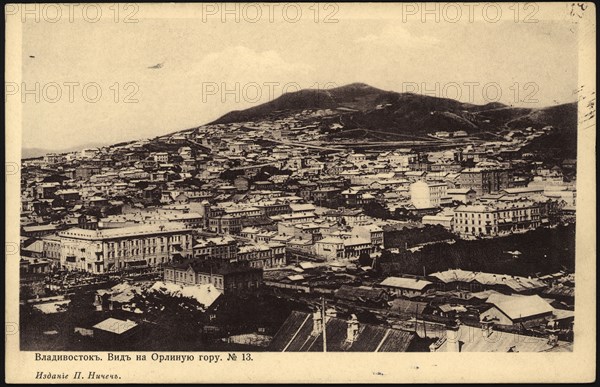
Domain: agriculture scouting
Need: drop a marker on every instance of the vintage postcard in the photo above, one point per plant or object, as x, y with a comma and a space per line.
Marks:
300, 192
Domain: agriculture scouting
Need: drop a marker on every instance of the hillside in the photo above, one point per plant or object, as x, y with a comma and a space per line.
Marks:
30, 153
560, 143
360, 106
356, 96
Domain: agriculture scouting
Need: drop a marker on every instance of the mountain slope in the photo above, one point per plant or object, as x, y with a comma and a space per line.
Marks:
357, 96
561, 143
360, 106
30, 153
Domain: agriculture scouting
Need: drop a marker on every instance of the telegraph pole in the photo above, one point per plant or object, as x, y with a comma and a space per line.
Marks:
324, 317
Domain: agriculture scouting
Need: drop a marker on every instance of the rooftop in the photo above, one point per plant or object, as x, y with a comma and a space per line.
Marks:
296, 335
215, 267
518, 307
518, 284
471, 340
405, 283
123, 232
115, 326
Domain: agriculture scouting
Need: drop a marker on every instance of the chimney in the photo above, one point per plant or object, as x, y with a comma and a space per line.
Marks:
330, 312
553, 339
352, 332
487, 327
453, 337
317, 323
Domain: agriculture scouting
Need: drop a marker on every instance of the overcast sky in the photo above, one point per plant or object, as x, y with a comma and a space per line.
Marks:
531, 64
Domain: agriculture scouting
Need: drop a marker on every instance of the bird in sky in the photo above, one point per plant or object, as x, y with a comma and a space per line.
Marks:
157, 66
516, 252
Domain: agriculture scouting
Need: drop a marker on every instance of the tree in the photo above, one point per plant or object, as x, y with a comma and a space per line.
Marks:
365, 259
376, 210
543, 251
230, 175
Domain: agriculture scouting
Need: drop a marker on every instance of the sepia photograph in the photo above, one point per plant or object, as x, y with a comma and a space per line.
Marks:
210, 185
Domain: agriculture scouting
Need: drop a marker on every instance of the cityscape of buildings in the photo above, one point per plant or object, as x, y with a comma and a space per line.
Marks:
273, 211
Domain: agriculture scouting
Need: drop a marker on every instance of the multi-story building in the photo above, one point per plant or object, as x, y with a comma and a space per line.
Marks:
262, 255
330, 247
46, 190
270, 208
325, 194
89, 153
190, 219
243, 211
494, 219
35, 266
485, 180
443, 219
218, 221
298, 217
84, 172
427, 195
101, 251
354, 247
355, 196
52, 248
53, 158
228, 278
371, 232
333, 247
68, 195
357, 158
160, 157
257, 234
398, 159
37, 231
347, 216
222, 248
462, 195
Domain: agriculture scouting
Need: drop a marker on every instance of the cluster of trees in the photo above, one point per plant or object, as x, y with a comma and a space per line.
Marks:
262, 175
377, 210
542, 251
408, 237
33, 325
190, 182
247, 313
267, 171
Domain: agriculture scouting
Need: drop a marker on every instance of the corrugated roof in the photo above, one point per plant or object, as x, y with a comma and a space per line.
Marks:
356, 293
400, 305
405, 283
518, 284
295, 335
471, 339
517, 307
205, 294
560, 290
116, 326
123, 232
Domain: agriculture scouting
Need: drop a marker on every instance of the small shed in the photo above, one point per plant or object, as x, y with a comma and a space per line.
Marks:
406, 287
